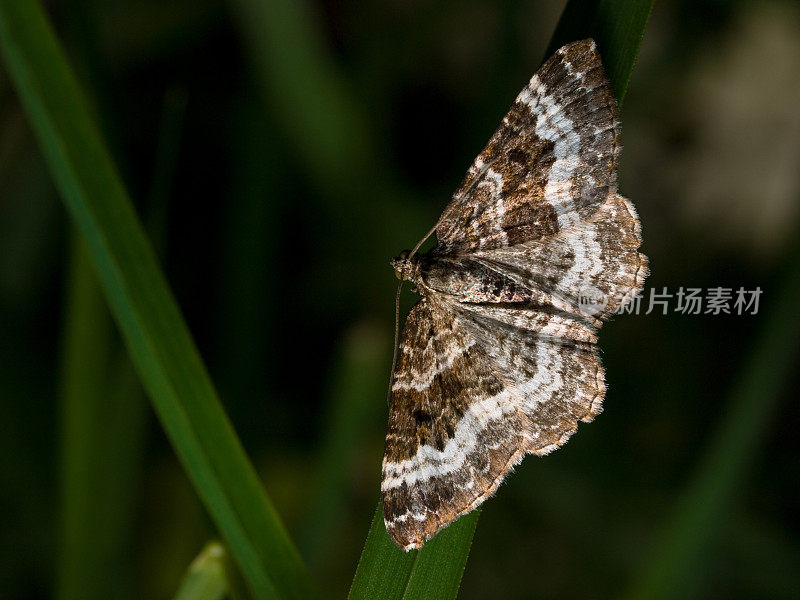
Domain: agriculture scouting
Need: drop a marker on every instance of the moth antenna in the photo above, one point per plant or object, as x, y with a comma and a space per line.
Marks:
422, 241
472, 187
396, 340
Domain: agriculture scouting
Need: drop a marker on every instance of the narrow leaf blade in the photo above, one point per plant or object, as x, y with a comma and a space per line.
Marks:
144, 309
434, 571
616, 25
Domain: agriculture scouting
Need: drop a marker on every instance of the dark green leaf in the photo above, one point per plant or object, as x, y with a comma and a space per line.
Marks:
616, 25
432, 572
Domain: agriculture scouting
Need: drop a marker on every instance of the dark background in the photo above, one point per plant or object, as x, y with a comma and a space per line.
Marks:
277, 246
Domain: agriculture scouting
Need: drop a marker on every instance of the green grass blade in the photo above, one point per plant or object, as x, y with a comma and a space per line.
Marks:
383, 571
616, 25
440, 564
434, 571
675, 568
206, 578
144, 309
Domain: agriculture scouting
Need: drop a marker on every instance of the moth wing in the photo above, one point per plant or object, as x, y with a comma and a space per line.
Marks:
551, 162
555, 375
471, 395
589, 269
453, 431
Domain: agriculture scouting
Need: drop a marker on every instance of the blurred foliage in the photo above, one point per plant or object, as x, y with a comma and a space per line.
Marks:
279, 264
211, 576
144, 308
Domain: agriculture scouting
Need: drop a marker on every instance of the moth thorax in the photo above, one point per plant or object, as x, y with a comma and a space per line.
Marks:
406, 268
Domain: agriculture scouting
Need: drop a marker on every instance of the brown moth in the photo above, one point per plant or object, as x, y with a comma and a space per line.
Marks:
499, 357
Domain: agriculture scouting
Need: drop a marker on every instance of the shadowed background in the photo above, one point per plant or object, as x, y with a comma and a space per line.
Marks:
276, 240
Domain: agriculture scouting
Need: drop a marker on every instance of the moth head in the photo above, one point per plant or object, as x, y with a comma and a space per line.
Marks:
405, 268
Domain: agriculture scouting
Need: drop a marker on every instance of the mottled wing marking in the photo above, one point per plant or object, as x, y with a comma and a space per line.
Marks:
555, 383
544, 321
550, 164
507, 393
600, 254
450, 442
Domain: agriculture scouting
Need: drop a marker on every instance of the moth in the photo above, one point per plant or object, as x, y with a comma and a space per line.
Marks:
534, 251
